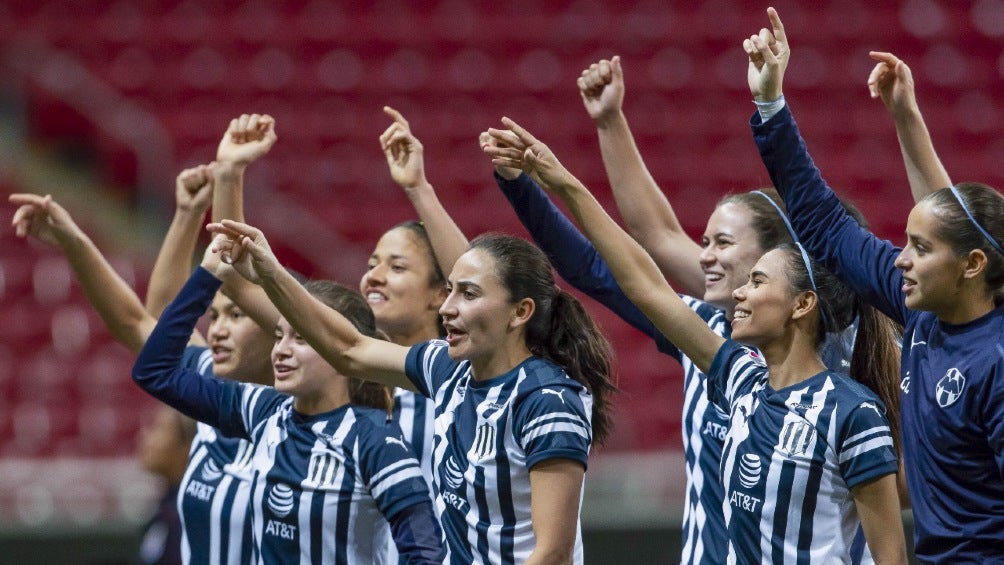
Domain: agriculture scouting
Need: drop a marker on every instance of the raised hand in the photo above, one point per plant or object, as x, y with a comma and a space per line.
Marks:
602, 88
194, 189
517, 148
486, 140
892, 80
43, 218
249, 137
404, 152
768, 54
245, 249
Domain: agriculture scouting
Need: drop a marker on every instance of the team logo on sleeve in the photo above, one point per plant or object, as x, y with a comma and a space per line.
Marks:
950, 387
396, 441
280, 500
555, 393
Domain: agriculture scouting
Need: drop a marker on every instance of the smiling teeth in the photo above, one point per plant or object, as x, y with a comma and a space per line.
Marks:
741, 314
713, 277
374, 296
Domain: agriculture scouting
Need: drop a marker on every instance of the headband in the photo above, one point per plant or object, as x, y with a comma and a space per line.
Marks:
993, 242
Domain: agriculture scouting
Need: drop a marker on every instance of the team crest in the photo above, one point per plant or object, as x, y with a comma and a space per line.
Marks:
322, 470
950, 387
795, 438
484, 443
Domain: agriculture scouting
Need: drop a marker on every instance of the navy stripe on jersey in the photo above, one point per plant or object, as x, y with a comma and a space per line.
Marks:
791, 457
488, 436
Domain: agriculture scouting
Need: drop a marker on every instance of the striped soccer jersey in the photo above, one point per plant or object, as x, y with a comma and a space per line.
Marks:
324, 485
214, 493
791, 457
415, 415
489, 434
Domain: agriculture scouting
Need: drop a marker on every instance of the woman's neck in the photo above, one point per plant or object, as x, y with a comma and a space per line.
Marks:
967, 307
791, 361
500, 362
325, 401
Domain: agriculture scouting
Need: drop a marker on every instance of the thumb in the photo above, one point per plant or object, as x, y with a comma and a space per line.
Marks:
615, 66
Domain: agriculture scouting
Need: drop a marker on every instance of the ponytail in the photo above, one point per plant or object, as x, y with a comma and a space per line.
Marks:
876, 361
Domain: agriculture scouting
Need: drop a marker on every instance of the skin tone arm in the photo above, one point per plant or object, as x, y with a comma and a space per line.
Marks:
634, 270
117, 304
892, 80
405, 160
647, 213
247, 139
555, 486
878, 507
193, 195
335, 338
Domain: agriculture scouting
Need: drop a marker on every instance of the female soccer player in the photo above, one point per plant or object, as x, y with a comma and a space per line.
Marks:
808, 451
521, 388
329, 470
945, 287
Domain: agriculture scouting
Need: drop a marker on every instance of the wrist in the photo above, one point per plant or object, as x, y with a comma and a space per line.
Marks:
508, 173
227, 169
609, 119
418, 188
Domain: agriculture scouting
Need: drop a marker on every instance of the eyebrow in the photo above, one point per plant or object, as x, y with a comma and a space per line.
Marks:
759, 274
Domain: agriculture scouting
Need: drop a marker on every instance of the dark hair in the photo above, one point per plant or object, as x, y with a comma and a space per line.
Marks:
436, 277
560, 329
353, 306
955, 227
875, 362
764, 218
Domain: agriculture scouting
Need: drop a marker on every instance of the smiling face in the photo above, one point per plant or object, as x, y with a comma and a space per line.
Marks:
477, 312
399, 285
764, 305
238, 344
730, 251
932, 272
299, 370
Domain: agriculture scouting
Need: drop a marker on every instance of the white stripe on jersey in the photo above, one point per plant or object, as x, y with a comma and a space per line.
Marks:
862, 447
531, 431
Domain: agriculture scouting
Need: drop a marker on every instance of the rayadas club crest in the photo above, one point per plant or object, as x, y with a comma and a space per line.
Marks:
950, 387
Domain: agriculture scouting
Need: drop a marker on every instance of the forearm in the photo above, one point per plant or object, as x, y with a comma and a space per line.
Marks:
448, 242
174, 261
417, 534
228, 191
640, 278
158, 368
252, 300
114, 300
924, 170
646, 211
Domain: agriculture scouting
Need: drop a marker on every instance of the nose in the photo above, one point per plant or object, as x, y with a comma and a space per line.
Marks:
281, 348
217, 329
448, 309
377, 275
739, 294
706, 258
902, 260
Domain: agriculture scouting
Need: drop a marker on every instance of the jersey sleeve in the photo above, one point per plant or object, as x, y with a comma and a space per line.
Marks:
574, 257
994, 410
390, 469
866, 449
428, 366
553, 423
734, 371
165, 369
860, 259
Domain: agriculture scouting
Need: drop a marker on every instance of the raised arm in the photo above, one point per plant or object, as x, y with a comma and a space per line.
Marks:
193, 193
114, 300
647, 213
335, 338
247, 139
892, 80
634, 270
405, 160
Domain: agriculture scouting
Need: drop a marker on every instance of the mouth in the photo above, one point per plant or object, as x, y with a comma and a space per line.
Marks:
454, 336
739, 314
282, 371
712, 278
908, 285
375, 297
221, 354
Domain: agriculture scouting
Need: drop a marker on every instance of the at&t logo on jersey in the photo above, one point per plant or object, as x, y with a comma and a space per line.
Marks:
280, 502
750, 469
211, 472
454, 478
950, 387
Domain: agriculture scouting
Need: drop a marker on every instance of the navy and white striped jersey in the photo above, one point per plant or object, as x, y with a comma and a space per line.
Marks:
415, 415
703, 426
791, 457
489, 434
324, 486
214, 493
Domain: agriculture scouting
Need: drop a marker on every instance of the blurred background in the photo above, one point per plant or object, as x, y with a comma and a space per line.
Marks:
103, 102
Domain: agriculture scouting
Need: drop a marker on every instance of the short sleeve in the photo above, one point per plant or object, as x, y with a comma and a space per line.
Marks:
391, 470
428, 366
994, 415
866, 449
735, 370
553, 422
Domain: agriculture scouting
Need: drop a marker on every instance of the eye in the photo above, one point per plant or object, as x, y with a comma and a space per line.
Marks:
370, 266
278, 337
470, 294
214, 315
398, 268
236, 315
